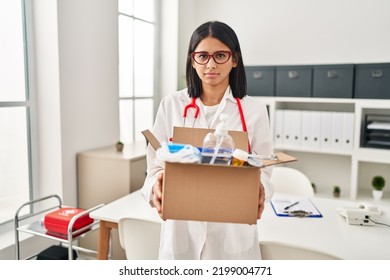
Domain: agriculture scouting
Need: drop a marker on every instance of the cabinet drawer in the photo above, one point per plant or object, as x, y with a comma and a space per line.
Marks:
260, 80
334, 81
372, 81
293, 81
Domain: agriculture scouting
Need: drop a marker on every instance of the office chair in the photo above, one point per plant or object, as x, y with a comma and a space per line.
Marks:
273, 251
291, 181
139, 238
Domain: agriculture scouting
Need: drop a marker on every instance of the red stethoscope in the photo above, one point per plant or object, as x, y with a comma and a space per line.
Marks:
192, 104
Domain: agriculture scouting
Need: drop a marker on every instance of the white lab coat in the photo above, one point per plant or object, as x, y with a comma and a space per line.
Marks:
206, 240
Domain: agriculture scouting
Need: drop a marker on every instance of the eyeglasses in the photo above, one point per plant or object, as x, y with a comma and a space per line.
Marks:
220, 57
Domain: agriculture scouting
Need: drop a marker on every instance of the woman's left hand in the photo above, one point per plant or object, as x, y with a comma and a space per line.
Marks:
261, 201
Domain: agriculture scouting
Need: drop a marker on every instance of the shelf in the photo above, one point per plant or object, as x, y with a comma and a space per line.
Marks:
352, 168
373, 155
366, 196
311, 150
307, 100
32, 223
38, 229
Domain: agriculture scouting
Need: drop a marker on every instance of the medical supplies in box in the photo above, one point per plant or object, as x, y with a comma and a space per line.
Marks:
57, 221
211, 192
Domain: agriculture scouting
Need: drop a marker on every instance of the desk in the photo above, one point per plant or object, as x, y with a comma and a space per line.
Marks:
132, 205
330, 234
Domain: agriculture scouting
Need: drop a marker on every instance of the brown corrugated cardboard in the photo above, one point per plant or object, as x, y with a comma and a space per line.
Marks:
151, 139
214, 193
280, 158
195, 136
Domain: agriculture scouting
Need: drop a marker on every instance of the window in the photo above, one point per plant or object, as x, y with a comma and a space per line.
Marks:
15, 109
137, 63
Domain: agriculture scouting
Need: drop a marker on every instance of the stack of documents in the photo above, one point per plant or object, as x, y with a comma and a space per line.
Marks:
377, 133
294, 206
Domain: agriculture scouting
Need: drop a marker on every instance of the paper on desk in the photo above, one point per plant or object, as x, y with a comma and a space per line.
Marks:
280, 201
379, 125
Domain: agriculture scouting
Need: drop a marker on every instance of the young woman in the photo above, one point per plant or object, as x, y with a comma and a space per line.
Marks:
215, 76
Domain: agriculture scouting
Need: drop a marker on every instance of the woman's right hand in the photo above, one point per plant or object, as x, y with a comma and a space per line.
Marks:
157, 194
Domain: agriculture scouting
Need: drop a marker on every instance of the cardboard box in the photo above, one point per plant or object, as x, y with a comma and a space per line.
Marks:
213, 193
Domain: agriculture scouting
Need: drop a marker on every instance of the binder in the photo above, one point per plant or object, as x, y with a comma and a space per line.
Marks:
337, 130
292, 128
315, 129
306, 129
287, 128
279, 202
296, 128
326, 130
348, 130
279, 116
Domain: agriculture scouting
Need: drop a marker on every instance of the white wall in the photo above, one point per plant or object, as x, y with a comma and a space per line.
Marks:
46, 93
295, 31
88, 65
77, 87
169, 31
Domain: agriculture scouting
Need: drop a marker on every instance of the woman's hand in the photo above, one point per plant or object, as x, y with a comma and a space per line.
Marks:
261, 201
157, 194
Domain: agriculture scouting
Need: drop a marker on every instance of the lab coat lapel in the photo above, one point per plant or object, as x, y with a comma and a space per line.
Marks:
201, 122
221, 107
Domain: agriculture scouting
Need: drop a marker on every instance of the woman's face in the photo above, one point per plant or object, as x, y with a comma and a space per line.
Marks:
212, 73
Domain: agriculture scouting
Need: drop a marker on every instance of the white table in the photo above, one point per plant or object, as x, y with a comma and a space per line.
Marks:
330, 234
132, 205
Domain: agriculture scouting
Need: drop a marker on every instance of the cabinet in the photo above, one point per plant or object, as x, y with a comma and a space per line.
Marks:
105, 175
350, 167
294, 81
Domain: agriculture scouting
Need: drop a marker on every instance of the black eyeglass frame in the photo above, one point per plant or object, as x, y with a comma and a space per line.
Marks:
211, 55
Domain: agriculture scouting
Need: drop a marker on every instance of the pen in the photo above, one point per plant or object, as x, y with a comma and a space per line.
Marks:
291, 205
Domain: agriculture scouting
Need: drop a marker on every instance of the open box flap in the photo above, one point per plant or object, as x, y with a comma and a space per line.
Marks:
195, 136
281, 158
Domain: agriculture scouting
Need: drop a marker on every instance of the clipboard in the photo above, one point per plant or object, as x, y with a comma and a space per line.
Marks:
287, 205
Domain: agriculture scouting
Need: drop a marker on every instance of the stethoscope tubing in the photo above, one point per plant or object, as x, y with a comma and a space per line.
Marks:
193, 104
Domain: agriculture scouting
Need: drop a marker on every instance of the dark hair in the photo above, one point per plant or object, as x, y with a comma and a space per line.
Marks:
227, 36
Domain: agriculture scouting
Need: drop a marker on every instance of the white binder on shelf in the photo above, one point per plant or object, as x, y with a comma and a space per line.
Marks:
348, 130
326, 130
337, 130
296, 117
279, 118
305, 129
297, 128
315, 129
288, 128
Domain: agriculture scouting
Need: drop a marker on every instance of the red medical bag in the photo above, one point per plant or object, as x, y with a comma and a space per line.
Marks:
58, 220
